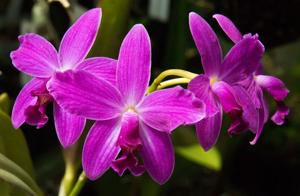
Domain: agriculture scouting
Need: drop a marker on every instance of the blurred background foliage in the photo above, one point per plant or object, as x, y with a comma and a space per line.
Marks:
234, 167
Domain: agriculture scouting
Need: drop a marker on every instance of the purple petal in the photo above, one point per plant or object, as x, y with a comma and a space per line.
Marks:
36, 56
100, 67
24, 100
274, 86
134, 63
265, 108
250, 113
263, 116
100, 147
237, 103
208, 130
207, 43
253, 90
83, 94
280, 114
226, 96
157, 153
79, 38
200, 86
242, 60
257, 97
228, 27
165, 110
68, 126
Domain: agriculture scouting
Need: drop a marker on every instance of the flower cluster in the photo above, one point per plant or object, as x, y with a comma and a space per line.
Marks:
132, 125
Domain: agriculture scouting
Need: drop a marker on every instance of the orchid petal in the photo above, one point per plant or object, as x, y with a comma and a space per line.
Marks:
100, 67
226, 96
229, 28
274, 86
165, 110
253, 90
208, 130
83, 94
134, 63
263, 116
157, 153
79, 38
200, 86
280, 114
36, 56
242, 60
68, 126
207, 43
100, 147
265, 108
24, 100
250, 113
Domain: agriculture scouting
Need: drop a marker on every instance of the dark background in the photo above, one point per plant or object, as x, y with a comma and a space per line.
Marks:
271, 167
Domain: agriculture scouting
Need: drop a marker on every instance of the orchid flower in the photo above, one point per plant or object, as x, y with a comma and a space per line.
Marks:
38, 58
258, 82
132, 131
218, 88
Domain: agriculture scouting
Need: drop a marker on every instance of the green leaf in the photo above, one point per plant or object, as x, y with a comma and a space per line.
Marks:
9, 137
114, 25
14, 145
14, 174
4, 103
12, 179
210, 159
4, 188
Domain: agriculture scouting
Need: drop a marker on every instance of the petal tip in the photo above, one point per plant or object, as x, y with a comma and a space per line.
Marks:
253, 142
216, 16
16, 125
193, 14
96, 11
207, 148
206, 145
91, 176
139, 25
139, 28
65, 143
162, 181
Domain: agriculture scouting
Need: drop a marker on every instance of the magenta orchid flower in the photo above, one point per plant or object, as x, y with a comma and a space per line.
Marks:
38, 58
258, 82
218, 86
132, 131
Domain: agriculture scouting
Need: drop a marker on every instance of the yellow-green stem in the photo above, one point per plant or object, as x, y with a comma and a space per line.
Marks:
170, 72
79, 184
173, 82
68, 180
71, 166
